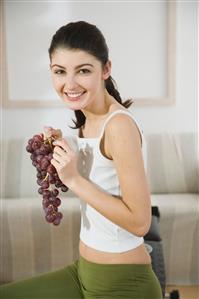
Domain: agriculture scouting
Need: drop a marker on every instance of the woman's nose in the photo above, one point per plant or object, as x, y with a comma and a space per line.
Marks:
70, 82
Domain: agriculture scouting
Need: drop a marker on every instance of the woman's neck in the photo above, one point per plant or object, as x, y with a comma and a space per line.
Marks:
100, 110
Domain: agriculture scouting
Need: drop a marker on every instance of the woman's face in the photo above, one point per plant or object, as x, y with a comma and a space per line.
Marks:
78, 77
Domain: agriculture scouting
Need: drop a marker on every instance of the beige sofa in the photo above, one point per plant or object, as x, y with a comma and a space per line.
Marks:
30, 246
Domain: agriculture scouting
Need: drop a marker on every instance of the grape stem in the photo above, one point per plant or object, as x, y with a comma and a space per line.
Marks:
49, 140
47, 175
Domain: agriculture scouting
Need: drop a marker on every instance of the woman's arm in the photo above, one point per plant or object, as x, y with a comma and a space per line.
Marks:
133, 211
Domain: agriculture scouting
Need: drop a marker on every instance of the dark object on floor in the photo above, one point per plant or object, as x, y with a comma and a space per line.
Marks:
173, 295
153, 240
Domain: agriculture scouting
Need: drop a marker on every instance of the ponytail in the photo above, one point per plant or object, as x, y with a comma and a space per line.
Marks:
113, 91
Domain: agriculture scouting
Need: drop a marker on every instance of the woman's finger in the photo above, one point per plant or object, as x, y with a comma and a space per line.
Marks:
55, 163
58, 162
63, 143
59, 156
60, 151
56, 157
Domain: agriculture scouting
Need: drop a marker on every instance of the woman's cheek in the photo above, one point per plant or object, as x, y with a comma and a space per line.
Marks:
57, 82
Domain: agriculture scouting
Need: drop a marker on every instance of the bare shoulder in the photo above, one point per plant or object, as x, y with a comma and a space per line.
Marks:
122, 128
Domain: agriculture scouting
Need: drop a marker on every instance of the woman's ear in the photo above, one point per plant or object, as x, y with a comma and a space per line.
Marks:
106, 70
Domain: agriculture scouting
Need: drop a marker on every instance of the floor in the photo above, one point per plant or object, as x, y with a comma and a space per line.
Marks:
186, 292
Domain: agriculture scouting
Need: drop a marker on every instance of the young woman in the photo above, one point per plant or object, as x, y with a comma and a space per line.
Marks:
107, 174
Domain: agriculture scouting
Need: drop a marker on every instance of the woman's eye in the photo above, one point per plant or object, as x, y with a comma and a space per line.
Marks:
59, 72
84, 71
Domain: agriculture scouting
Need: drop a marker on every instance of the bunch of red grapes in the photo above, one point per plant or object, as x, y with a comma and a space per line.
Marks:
41, 150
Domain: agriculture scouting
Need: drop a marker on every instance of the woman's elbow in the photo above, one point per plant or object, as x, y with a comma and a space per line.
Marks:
141, 230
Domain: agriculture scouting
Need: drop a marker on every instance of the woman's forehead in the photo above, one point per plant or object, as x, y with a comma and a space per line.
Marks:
72, 57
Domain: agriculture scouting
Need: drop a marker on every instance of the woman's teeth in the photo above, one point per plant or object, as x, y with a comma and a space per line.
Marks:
74, 95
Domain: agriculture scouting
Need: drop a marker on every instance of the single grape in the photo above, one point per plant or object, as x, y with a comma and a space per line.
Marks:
33, 157
39, 175
51, 179
44, 185
39, 182
29, 149
46, 193
46, 197
56, 175
50, 217
48, 149
44, 173
38, 138
58, 184
52, 199
34, 163
36, 145
39, 158
60, 215
57, 201
38, 166
64, 188
30, 141
50, 156
44, 163
50, 209
51, 169
42, 149
57, 221
45, 202
55, 192
40, 190
37, 152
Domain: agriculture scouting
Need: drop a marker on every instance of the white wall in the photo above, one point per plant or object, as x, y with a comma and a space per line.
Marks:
182, 117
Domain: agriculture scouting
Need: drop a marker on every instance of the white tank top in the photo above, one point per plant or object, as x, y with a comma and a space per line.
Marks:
97, 231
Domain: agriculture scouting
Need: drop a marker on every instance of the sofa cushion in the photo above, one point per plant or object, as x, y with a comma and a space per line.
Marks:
29, 244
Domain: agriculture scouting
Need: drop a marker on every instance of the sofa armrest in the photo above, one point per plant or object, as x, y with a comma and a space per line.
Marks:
179, 230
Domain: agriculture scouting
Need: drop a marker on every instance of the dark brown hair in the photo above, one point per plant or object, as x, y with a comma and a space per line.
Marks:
87, 37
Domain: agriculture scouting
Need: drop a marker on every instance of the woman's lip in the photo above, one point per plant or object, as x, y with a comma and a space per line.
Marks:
73, 92
74, 98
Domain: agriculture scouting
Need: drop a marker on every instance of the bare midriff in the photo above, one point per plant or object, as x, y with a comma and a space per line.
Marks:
138, 255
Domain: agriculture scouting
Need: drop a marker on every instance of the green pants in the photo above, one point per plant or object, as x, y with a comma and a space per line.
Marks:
84, 279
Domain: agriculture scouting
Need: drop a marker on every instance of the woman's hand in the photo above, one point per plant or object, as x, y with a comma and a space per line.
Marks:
65, 162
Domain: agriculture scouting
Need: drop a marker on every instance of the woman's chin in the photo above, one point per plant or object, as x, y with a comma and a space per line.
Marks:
74, 105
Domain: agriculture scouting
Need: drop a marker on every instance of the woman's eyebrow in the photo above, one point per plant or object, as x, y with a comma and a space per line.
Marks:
77, 67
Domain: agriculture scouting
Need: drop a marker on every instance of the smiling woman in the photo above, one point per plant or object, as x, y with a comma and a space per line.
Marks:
60, 71
77, 82
111, 183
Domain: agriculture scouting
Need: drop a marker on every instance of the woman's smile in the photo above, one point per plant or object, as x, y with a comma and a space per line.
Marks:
74, 96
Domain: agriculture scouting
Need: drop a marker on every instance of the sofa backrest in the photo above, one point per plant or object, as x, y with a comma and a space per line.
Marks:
172, 165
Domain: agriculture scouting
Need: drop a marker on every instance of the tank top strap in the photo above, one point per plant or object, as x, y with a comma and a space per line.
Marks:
117, 112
